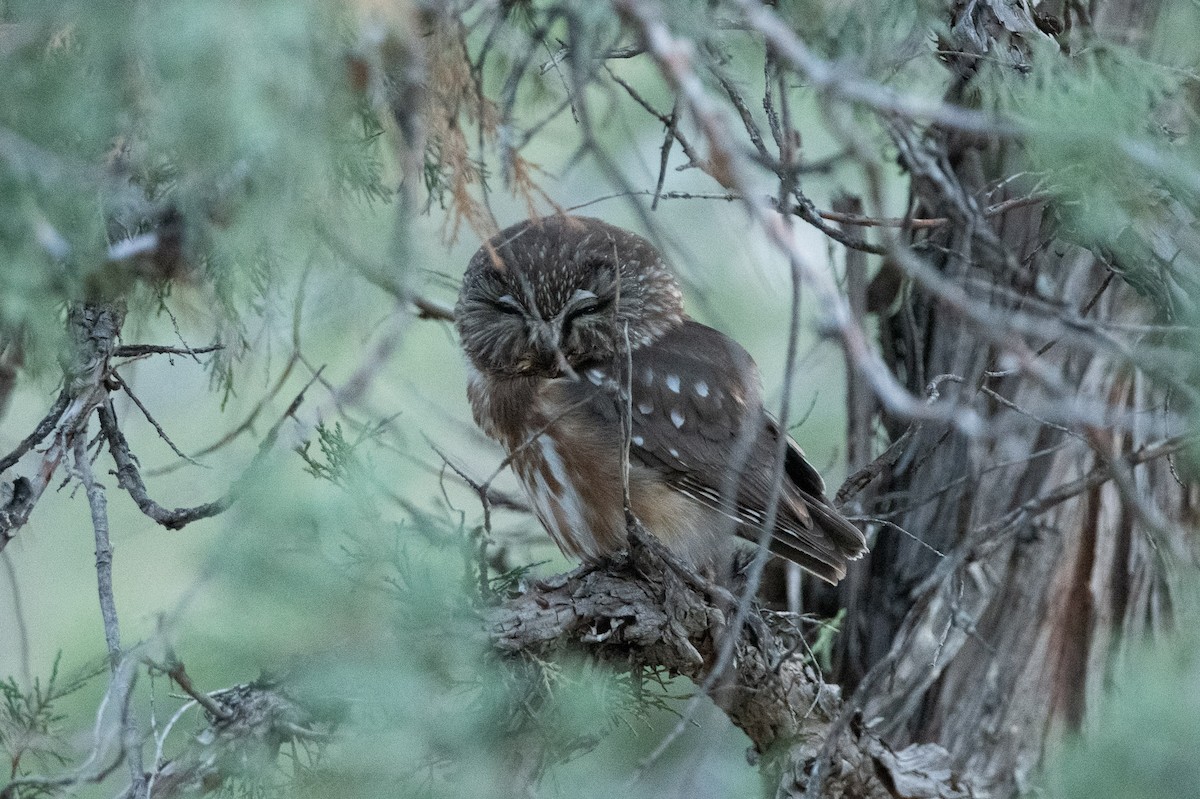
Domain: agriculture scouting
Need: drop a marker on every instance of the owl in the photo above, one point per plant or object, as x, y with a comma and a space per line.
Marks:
584, 366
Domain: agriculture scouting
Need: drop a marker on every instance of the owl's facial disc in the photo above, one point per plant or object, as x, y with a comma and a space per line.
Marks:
543, 352
548, 296
561, 339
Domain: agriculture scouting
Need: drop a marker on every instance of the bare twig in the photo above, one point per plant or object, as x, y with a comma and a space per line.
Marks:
430, 309
22, 625
130, 479
179, 674
561, 54
244, 426
150, 418
858, 220
694, 157
139, 350
130, 737
885, 460
665, 155
99, 509
380, 276
39, 433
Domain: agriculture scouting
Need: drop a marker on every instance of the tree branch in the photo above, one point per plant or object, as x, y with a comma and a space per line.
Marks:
258, 720
636, 611
130, 479
39, 433
139, 350
93, 329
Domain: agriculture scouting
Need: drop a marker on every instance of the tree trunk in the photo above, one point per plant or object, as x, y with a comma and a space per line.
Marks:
1042, 548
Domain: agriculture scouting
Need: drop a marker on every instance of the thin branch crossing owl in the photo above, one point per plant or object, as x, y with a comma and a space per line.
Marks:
579, 352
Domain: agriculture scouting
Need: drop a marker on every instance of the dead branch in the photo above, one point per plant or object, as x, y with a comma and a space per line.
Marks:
245, 741
93, 330
158, 428
139, 350
98, 503
39, 433
129, 476
130, 479
244, 426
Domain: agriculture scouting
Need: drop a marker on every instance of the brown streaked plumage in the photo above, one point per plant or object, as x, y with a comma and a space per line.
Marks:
553, 315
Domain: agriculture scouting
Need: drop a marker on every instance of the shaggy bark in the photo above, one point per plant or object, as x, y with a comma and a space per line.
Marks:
997, 628
637, 611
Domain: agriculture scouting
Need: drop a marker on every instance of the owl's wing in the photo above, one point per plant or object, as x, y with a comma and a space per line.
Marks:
698, 419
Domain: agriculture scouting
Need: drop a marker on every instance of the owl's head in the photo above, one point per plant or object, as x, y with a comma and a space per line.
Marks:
562, 291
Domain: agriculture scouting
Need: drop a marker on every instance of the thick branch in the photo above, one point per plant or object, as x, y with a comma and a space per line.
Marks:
637, 612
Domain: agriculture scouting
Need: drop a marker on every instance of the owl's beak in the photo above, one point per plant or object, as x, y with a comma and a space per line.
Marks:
550, 354
564, 368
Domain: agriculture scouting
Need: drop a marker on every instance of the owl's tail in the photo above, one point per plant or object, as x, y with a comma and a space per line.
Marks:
827, 544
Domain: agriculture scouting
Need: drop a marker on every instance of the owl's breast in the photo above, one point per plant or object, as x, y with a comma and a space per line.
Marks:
572, 495
501, 406
568, 465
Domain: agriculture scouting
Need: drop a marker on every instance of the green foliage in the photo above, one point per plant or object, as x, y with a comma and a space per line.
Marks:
1109, 137
875, 38
822, 648
235, 122
1084, 116
374, 614
509, 583
1142, 739
336, 463
31, 725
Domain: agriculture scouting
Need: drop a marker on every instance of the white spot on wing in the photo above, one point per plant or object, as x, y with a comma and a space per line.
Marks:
645, 408
596, 376
701, 388
638, 441
677, 417
673, 383
674, 452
